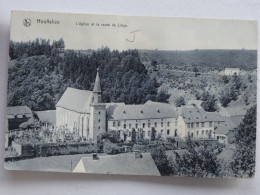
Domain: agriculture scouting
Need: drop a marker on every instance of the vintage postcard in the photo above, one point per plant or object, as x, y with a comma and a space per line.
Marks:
128, 95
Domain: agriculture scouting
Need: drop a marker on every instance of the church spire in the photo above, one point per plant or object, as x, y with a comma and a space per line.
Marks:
97, 87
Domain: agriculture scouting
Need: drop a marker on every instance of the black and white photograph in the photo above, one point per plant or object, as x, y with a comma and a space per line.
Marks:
131, 95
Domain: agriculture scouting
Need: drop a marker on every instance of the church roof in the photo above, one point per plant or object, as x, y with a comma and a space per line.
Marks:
124, 163
149, 110
97, 86
76, 100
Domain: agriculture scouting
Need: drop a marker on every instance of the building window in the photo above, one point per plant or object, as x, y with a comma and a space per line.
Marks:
149, 133
176, 123
168, 131
207, 132
197, 124
155, 124
197, 133
118, 123
161, 131
124, 126
143, 125
202, 124
217, 137
98, 127
99, 120
161, 124
130, 126
175, 133
143, 133
136, 125
168, 124
99, 112
202, 132
149, 125
210, 124
114, 124
210, 133
188, 134
191, 125
23, 115
192, 135
188, 125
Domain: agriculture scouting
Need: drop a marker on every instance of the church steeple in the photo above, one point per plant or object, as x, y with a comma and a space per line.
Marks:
97, 87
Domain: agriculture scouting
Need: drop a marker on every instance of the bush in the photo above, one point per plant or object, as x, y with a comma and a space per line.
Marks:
111, 148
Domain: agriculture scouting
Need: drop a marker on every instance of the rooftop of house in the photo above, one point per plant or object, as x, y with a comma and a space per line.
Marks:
194, 113
125, 163
18, 110
232, 69
149, 110
76, 100
233, 111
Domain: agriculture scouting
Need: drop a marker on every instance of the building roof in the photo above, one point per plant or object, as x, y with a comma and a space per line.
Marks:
149, 110
18, 110
97, 86
76, 100
193, 113
232, 69
124, 163
233, 111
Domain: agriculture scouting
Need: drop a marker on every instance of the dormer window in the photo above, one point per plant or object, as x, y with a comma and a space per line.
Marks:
124, 111
158, 110
92, 99
142, 111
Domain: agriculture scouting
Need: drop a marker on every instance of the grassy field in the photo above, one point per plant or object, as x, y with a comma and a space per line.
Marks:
65, 163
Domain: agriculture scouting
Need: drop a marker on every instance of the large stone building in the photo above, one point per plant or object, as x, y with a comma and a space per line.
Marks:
84, 113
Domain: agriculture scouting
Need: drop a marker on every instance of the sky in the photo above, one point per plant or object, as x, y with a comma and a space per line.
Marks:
135, 32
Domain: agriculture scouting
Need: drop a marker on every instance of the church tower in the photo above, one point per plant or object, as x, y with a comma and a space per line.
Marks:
97, 119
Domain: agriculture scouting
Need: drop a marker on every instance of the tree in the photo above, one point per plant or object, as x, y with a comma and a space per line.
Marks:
243, 164
153, 134
197, 161
162, 162
133, 135
209, 104
180, 101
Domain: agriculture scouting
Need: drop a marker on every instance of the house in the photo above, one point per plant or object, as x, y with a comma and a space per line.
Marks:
196, 123
82, 112
135, 163
232, 71
15, 116
143, 118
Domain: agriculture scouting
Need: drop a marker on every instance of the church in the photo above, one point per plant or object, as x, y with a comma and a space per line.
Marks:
82, 111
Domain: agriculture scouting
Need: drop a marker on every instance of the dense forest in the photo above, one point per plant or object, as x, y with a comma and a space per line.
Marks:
203, 60
40, 71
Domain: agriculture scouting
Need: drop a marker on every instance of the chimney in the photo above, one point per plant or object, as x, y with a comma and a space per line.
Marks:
137, 154
94, 156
